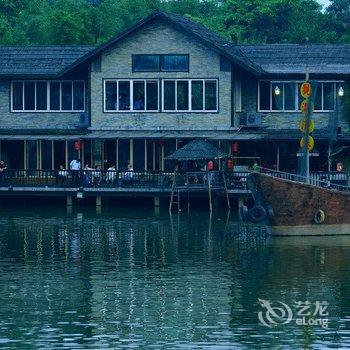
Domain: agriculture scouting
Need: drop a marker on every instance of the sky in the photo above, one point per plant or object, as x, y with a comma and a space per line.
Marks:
324, 2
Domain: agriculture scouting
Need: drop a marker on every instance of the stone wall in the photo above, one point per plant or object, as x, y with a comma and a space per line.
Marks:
160, 38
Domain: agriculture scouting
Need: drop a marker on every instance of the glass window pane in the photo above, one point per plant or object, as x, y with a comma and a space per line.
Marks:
41, 95
264, 96
78, 95
197, 95
300, 98
139, 154
318, 98
146, 63
139, 96
175, 63
111, 96
210, 96
29, 96
67, 96
123, 154
289, 96
55, 99
169, 95
182, 95
46, 154
124, 95
17, 95
32, 149
328, 96
59, 154
277, 100
152, 95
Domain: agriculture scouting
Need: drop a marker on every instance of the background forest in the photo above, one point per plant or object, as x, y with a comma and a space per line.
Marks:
27, 22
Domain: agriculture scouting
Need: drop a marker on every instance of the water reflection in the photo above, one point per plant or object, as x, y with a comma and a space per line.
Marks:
121, 280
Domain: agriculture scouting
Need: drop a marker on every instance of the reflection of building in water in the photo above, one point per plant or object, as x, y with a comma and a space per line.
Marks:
156, 281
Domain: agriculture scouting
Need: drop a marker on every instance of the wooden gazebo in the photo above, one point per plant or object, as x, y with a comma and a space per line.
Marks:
197, 150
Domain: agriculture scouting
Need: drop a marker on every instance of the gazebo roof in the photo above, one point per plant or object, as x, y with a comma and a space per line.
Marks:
197, 150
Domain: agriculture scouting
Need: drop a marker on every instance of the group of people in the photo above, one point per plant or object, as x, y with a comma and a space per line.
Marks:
90, 176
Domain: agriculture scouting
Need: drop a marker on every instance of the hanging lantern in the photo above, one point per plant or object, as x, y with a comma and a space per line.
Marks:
210, 165
235, 147
77, 145
229, 164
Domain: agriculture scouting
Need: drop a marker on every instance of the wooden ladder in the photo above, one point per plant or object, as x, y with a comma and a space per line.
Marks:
175, 196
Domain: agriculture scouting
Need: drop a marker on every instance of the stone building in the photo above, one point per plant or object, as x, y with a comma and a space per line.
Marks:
161, 83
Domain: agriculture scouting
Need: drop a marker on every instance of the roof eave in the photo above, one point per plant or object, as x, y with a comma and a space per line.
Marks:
257, 70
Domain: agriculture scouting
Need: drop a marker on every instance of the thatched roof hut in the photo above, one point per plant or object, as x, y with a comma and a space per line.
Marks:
197, 150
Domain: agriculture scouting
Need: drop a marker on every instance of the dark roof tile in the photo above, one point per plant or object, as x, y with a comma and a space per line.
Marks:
293, 58
38, 61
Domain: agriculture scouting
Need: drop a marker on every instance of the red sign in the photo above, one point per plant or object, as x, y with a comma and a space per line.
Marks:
305, 90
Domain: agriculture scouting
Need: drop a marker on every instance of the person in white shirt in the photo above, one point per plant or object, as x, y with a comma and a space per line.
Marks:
75, 167
111, 174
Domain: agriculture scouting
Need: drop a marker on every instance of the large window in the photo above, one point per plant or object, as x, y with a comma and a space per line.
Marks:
44, 96
194, 95
289, 99
131, 96
160, 63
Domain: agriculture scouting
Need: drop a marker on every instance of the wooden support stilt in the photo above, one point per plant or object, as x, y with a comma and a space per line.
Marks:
209, 191
69, 201
98, 201
226, 192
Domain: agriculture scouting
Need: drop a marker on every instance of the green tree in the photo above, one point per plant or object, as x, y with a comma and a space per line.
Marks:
339, 12
273, 21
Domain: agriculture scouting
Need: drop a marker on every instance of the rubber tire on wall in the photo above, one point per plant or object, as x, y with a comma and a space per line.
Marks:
257, 214
319, 216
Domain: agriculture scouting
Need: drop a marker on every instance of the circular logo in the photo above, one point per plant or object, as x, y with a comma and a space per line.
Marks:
274, 315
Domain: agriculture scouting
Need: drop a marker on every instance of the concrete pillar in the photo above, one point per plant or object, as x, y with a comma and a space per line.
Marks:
240, 202
156, 202
69, 201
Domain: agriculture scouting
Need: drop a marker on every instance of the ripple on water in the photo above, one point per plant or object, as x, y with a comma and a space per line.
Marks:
125, 280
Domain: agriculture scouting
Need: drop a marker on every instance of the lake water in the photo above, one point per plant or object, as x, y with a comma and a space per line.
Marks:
125, 279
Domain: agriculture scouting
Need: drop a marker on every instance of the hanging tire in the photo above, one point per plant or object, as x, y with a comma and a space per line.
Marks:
257, 214
243, 212
319, 216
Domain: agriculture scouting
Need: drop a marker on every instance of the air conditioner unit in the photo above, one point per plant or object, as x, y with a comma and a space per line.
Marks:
251, 119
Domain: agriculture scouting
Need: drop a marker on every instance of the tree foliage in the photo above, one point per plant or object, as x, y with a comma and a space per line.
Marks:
28, 22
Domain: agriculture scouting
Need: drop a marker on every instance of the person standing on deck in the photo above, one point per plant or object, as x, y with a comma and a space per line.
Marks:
3, 168
75, 167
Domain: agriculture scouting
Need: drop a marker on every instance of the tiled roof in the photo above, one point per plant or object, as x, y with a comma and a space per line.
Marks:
279, 59
37, 61
201, 33
293, 58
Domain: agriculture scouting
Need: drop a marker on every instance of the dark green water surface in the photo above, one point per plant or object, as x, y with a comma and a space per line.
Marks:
133, 279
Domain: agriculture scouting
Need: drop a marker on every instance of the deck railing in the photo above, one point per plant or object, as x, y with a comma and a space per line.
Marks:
120, 179
333, 180
235, 180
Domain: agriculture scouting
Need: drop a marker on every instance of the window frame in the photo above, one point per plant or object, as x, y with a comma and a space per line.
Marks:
161, 60
133, 57
190, 110
48, 83
296, 98
131, 81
